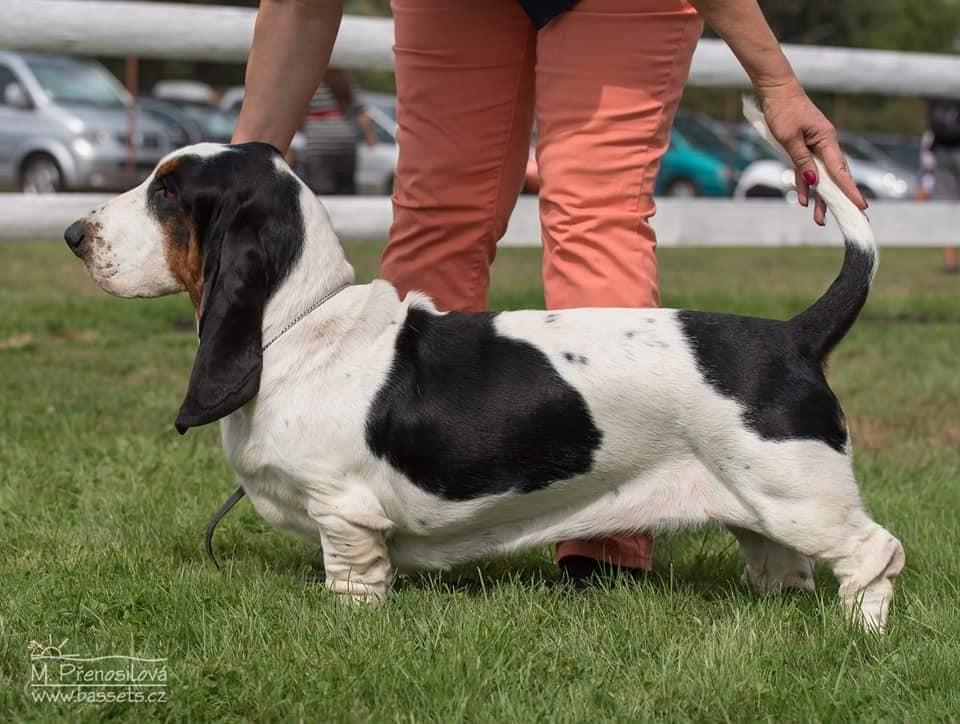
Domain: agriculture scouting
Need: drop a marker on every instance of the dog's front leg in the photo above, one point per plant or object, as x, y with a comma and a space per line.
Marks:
356, 561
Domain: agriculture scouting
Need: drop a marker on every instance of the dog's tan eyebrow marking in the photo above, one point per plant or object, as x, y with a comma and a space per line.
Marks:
167, 167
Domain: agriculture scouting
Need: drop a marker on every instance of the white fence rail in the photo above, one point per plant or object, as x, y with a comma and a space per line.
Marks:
206, 32
679, 222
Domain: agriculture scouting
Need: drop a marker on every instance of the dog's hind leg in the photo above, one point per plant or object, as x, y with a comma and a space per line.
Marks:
770, 567
355, 561
803, 496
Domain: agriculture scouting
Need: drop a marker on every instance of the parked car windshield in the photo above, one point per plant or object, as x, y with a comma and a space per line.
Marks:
218, 124
76, 84
701, 136
862, 150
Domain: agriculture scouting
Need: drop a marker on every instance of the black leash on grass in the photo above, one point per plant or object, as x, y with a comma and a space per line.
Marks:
215, 521
238, 493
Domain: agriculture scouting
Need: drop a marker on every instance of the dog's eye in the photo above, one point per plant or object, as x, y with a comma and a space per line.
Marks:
167, 192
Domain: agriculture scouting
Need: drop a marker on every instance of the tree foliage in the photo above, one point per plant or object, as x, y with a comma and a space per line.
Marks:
928, 25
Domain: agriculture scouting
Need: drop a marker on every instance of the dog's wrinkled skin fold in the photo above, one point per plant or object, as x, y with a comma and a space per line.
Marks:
398, 437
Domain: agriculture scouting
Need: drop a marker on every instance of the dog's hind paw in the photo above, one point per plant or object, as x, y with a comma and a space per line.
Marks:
766, 582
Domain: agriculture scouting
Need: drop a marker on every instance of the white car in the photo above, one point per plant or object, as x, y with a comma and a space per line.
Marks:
377, 164
774, 179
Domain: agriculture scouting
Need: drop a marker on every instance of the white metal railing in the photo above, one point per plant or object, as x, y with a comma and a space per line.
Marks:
679, 222
206, 32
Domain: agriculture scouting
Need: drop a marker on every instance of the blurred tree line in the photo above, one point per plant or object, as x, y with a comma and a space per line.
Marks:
920, 25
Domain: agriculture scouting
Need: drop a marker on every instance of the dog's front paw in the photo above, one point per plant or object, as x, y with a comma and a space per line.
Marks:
354, 591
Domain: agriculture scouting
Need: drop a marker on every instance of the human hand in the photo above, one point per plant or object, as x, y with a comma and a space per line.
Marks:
804, 132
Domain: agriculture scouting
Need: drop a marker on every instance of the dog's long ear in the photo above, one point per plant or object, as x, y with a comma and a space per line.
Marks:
247, 216
226, 370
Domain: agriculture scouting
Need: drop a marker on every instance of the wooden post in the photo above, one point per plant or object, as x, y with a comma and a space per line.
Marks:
950, 264
133, 82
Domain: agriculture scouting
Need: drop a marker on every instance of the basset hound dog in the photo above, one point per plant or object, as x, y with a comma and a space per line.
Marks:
396, 436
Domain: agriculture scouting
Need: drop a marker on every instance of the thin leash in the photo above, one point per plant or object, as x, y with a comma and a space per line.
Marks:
303, 315
237, 494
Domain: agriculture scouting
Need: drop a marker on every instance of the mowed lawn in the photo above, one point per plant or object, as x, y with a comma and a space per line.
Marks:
103, 506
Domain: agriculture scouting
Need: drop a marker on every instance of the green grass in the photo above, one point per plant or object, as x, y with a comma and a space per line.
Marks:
102, 507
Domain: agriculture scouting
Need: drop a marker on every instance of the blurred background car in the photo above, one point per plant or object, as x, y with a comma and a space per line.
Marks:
719, 140
688, 171
774, 179
685, 171
68, 124
877, 174
377, 163
199, 101
182, 129
698, 162
904, 150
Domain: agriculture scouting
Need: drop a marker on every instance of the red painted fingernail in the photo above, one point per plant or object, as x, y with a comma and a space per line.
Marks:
810, 177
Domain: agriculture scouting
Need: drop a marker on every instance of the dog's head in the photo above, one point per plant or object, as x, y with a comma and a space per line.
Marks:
224, 224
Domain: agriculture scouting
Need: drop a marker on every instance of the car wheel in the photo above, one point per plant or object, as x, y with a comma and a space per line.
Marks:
41, 175
763, 192
388, 186
682, 188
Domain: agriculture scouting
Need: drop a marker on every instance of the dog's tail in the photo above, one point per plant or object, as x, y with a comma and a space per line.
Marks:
820, 327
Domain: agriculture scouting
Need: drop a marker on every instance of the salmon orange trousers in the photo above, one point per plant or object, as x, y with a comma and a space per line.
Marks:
603, 82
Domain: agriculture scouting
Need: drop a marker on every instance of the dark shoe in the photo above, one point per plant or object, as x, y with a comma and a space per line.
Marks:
582, 572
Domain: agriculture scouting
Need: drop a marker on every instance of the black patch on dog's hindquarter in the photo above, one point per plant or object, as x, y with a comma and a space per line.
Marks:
757, 363
465, 412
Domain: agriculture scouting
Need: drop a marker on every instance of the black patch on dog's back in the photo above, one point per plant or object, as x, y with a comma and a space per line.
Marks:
757, 363
465, 412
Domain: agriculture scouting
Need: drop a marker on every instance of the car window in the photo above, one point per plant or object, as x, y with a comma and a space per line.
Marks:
701, 136
76, 83
6, 78
216, 123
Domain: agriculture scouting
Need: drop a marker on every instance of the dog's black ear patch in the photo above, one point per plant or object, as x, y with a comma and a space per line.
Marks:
756, 362
465, 412
248, 217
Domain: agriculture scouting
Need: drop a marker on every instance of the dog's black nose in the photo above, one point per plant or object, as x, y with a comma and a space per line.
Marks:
75, 235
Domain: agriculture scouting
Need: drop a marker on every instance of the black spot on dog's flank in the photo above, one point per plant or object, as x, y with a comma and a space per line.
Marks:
465, 412
631, 334
551, 318
568, 356
756, 362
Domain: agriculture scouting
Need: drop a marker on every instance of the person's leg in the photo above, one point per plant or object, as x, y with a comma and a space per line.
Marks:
346, 171
609, 77
464, 110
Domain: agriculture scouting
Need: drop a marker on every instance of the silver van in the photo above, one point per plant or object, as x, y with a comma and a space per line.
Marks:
67, 124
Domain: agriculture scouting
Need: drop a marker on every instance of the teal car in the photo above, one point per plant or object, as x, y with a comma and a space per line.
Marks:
687, 171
